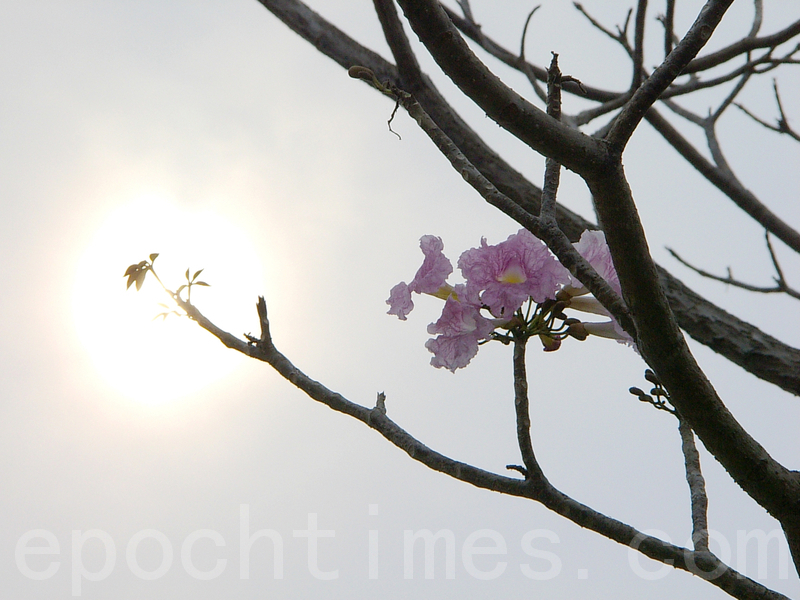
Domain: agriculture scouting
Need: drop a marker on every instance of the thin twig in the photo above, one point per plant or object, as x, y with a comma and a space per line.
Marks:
525, 67
669, 27
622, 32
552, 170
783, 123
697, 486
741, 47
533, 471
638, 45
758, 18
780, 283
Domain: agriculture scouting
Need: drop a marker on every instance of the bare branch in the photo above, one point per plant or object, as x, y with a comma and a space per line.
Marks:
663, 347
533, 471
766, 63
699, 563
525, 31
780, 283
621, 36
514, 113
758, 18
783, 123
697, 486
646, 95
743, 46
731, 187
531, 70
669, 27
524, 65
552, 170
660, 399
638, 45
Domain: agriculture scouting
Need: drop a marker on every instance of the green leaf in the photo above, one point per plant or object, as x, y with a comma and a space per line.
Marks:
202, 283
187, 275
196, 274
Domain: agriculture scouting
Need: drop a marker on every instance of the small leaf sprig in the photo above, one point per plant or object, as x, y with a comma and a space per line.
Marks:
137, 272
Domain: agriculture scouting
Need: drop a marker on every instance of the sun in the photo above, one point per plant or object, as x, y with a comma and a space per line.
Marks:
154, 360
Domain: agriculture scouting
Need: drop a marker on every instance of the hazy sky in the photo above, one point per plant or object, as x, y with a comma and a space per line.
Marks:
137, 455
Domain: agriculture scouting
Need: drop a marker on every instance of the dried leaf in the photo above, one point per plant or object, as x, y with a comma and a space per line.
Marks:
153, 257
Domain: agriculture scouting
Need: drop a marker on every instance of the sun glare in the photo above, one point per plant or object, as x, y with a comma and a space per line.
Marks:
155, 361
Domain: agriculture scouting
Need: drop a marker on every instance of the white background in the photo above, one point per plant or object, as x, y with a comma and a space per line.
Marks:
215, 112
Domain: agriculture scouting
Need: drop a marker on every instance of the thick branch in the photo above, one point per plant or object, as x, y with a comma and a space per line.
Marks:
570, 147
663, 347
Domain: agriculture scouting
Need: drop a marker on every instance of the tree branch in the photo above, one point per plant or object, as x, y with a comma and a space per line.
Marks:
741, 196
533, 471
783, 123
699, 563
661, 344
732, 188
781, 286
511, 111
650, 91
740, 342
743, 46
697, 486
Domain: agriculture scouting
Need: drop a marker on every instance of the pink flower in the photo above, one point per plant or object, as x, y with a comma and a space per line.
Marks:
593, 247
435, 268
399, 301
511, 272
430, 278
461, 327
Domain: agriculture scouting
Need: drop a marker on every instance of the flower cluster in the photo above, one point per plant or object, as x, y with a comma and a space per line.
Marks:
499, 281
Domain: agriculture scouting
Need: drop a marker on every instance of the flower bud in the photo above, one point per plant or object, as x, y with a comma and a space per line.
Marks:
577, 330
550, 343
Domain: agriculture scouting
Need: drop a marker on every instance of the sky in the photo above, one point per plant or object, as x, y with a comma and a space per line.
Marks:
140, 458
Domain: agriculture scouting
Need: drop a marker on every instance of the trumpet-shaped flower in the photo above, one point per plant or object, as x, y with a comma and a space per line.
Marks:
435, 268
430, 278
461, 327
507, 274
593, 247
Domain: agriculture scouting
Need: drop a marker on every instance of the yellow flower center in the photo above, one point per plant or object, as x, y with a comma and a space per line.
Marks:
513, 274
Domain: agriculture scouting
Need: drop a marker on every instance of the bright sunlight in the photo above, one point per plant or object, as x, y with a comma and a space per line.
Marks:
154, 360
